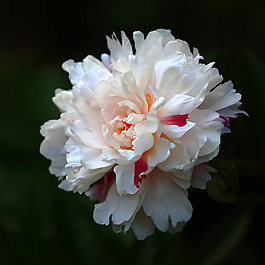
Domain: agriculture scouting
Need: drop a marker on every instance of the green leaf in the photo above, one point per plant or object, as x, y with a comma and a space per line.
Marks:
224, 184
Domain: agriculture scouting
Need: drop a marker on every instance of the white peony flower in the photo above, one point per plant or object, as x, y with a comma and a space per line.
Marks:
137, 130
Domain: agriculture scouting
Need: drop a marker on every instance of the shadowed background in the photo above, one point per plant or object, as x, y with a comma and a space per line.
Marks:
41, 224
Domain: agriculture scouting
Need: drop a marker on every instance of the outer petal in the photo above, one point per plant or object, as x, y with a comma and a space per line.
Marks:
211, 129
223, 99
52, 146
81, 180
165, 200
121, 208
143, 225
200, 176
75, 70
80, 154
63, 100
118, 50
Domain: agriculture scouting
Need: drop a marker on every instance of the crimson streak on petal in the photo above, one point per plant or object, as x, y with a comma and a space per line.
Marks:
226, 121
179, 120
140, 166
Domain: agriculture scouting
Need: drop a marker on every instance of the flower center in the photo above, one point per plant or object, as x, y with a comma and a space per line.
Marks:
123, 126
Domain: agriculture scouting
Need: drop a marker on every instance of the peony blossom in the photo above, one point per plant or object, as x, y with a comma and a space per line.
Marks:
137, 129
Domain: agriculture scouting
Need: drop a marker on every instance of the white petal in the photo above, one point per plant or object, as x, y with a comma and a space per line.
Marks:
177, 46
63, 100
75, 70
118, 50
151, 123
164, 199
164, 69
92, 138
138, 37
201, 176
81, 180
160, 152
108, 138
174, 132
125, 179
52, 146
105, 58
194, 140
102, 93
129, 104
121, 208
177, 160
143, 226
143, 143
201, 117
223, 96
179, 104
206, 120
81, 154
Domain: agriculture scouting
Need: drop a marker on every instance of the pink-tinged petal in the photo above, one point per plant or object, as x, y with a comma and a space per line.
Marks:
179, 120
140, 167
226, 121
174, 132
100, 189
81, 180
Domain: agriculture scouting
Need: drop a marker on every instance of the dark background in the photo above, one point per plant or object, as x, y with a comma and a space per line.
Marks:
41, 224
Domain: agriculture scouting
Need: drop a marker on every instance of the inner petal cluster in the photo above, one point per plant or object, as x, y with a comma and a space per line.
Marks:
122, 126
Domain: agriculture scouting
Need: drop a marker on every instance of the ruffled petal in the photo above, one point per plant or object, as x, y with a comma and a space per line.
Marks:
143, 225
119, 50
63, 100
52, 146
119, 208
165, 200
76, 71
177, 160
224, 100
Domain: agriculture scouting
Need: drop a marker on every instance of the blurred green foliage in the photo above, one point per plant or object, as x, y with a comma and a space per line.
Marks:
41, 224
